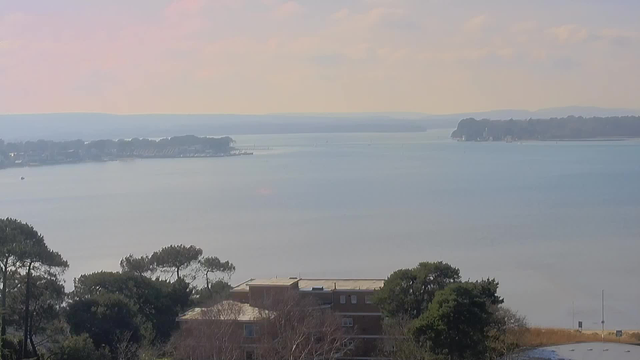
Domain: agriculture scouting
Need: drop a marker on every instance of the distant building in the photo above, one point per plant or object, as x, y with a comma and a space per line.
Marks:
351, 299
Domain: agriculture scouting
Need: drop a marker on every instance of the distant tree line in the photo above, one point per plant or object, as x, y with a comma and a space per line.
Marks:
571, 127
55, 152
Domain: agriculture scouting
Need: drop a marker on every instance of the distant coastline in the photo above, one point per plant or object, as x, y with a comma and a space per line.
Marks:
45, 153
571, 128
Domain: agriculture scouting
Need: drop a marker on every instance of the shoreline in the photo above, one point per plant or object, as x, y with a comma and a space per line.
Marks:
616, 139
125, 159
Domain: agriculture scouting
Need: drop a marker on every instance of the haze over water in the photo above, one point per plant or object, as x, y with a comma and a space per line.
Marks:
555, 223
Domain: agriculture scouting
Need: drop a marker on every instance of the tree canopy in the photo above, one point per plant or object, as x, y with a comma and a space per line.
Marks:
108, 315
212, 265
138, 265
408, 292
157, 302
570, 127
79, 348
431, 313
175, 259
25, 256
455, 323
105, 318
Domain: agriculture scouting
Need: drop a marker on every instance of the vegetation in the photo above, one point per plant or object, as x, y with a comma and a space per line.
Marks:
126, 315
79, 348
535, 337
42, 152
408, 292
432, 314
175, 258
131, 315
548, 129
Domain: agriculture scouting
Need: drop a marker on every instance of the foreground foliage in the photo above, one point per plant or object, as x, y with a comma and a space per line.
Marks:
127, 315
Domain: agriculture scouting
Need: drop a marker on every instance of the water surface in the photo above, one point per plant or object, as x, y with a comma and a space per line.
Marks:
554, 223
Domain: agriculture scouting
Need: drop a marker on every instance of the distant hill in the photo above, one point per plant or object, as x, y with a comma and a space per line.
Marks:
584, 111
567, 128
92, 126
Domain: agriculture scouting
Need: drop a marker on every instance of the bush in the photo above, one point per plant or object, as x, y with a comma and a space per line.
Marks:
10, 347
79, 348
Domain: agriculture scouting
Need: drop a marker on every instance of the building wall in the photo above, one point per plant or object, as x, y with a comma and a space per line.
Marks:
258, 295
367, 318
365, 325
349, 306
323, 297
240, 296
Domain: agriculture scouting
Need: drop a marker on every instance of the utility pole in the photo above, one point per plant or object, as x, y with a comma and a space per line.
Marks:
573, 315
602, 315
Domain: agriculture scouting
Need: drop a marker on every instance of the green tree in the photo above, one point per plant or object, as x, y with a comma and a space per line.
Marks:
137, 265
157, 302
212, 265
23, 250
456, 323
35, 257
408, 292
488, 288
9, 258
79, 348
216, 292
176, 258
105, 318
47, 297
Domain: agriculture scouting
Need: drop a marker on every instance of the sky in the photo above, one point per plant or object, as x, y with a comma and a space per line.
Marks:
272, 56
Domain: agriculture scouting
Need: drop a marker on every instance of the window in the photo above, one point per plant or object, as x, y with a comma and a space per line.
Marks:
249, 330
368, 299
347, 322
343, 299
354, 299
249, 355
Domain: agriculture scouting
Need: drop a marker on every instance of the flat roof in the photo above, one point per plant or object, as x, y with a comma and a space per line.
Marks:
341, 284
226, 310
244, 286
308, 284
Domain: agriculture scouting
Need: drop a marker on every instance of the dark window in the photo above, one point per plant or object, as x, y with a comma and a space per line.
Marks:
249, 330
249, 355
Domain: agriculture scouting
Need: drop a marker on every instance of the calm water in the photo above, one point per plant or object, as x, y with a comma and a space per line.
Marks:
555, 223
585, 351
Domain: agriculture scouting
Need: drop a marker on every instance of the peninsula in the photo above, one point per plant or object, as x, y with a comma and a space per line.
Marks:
567, 128
43, 152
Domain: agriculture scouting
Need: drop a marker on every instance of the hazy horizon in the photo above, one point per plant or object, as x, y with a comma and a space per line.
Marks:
615, 111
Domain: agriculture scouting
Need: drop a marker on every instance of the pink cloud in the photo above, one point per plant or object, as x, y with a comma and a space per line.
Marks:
377, 15
569, 33
265, 191
476, 24
182, 7
340, 14
288, 9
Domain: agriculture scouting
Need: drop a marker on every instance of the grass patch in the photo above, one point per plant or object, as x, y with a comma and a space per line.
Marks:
538, 337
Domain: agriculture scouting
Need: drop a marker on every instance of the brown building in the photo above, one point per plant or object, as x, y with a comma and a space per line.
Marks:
351, 299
